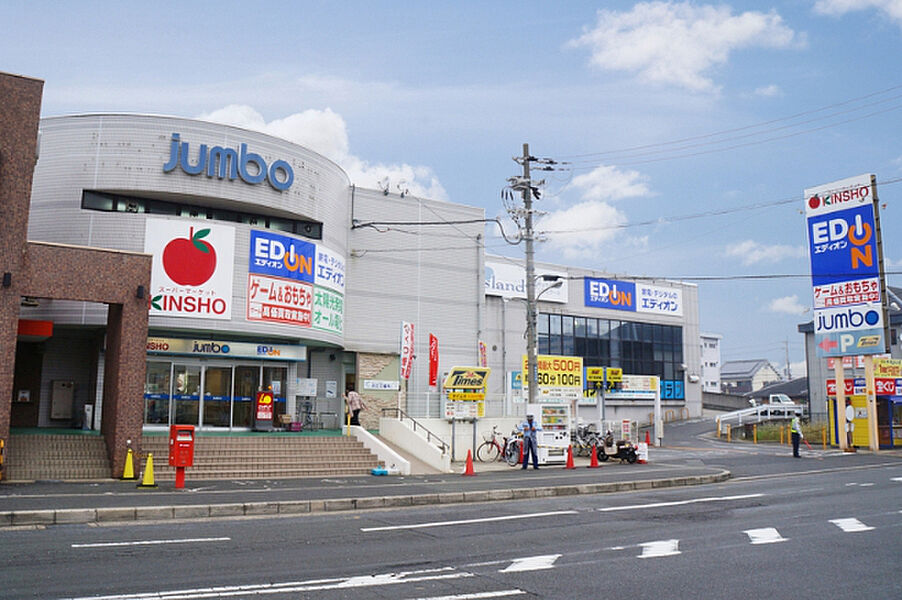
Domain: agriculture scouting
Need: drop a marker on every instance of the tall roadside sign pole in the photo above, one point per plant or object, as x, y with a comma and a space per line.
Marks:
848, 285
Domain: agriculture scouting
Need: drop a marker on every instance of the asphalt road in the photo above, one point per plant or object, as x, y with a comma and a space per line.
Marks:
825, 528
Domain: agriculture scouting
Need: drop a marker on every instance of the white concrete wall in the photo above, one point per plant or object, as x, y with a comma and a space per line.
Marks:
401, 434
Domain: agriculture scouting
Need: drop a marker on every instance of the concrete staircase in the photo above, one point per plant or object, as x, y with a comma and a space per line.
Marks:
261, 457
56, 457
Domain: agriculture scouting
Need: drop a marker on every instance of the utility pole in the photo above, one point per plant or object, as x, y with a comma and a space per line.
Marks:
788, 368
532, 361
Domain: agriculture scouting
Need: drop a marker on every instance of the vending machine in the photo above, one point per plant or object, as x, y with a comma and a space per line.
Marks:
556, 422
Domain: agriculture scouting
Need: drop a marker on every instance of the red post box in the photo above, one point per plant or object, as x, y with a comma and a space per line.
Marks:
181, 451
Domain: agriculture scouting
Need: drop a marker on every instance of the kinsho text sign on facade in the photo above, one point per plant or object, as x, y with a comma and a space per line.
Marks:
846, 278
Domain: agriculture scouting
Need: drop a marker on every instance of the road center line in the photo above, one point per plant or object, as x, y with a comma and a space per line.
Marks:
467, 521
531, 563
151, 542
766, 535
680, 502
850, 525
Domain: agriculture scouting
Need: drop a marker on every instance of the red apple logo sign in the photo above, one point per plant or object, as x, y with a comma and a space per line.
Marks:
191, 274
190, 260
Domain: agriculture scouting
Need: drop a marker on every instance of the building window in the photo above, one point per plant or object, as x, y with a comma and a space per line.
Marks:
105, 202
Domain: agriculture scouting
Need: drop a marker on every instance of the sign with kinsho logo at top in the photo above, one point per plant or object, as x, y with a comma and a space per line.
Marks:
842, 225
228, 163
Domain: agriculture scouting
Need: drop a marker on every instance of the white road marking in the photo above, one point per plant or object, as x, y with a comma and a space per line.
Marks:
896, 479
680, 502
766, 535
850, 525
660, 548
866, 485
851, 484
467, 521
475, 596
151, 542
531, 563
292, 587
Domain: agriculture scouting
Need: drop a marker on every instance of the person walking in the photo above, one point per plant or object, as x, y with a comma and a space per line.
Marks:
796, 434
530, 429
355, 405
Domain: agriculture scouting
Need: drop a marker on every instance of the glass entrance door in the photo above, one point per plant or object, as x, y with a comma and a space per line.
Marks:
217, 396
186, 395
247, 382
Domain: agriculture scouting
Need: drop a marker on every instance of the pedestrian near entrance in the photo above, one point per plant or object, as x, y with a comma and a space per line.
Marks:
796, 433
530, 429
355, 405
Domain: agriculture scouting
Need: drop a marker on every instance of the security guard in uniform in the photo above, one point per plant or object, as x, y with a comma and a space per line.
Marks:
796, 432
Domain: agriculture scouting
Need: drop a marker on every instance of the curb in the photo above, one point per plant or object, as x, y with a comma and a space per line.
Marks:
70, 516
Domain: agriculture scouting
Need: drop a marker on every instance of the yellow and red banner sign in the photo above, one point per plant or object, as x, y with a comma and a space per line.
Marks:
264, 406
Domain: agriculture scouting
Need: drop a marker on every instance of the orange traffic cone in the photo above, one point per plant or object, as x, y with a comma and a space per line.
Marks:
570, 464
593, 462
469, 469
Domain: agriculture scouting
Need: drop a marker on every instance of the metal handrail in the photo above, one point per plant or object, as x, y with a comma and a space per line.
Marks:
761, 413
430, 437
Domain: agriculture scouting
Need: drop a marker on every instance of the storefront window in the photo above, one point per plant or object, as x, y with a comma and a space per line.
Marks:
247, 383
217, 396
186, 395
275, 379
156, 393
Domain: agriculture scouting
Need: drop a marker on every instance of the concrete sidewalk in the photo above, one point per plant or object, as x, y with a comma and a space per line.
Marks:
45, 503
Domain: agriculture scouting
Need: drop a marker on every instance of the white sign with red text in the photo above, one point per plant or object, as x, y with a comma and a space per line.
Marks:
279, 300
192, 268
406, 349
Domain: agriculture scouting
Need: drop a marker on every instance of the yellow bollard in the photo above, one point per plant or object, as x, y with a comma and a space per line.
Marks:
781, 435
729, 432
755, 432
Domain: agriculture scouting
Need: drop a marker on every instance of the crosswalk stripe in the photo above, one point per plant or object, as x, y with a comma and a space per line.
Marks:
850, 525
765, 535
531, 563
660, 548
478, 595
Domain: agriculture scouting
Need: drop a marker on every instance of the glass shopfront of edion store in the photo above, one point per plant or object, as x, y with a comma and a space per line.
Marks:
213, 385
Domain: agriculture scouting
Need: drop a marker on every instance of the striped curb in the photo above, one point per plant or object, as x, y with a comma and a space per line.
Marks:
69, 516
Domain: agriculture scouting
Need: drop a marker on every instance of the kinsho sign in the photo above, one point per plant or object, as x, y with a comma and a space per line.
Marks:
228, 163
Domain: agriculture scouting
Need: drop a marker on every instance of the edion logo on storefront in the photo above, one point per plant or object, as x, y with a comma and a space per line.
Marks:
192, 268
228, 163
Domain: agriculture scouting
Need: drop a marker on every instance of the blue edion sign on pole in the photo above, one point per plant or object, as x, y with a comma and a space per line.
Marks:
845, 267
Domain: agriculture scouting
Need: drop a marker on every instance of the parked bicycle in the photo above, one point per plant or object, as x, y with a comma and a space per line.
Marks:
584, 439
491, 449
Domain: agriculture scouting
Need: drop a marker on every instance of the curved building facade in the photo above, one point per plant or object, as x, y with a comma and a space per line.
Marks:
249, 237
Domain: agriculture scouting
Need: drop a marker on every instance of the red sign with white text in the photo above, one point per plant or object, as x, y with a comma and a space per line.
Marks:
433, 360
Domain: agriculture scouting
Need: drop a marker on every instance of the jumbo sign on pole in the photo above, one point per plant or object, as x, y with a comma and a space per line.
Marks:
846, 261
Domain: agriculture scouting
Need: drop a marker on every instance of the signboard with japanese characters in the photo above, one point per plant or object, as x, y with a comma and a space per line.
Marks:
845, 267
559, 377
633, 297
295, 282
192, 268
406, 349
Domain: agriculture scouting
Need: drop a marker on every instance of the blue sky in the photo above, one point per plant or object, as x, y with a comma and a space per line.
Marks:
691, 128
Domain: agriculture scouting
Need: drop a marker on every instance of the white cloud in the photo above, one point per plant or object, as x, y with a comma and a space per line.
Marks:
751, 252
679, 43
789, 305
581, 229
325, 131
610, 183
837, 8
769, 91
